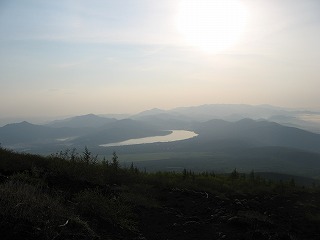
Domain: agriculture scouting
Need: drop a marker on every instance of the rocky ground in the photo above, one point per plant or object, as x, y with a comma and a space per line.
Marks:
187, 214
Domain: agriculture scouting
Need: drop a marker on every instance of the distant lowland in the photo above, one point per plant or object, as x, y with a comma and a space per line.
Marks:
217, 137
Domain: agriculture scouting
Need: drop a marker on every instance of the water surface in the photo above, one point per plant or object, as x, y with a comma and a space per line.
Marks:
175, 135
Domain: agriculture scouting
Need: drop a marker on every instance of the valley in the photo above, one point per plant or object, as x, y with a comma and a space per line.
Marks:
216, 138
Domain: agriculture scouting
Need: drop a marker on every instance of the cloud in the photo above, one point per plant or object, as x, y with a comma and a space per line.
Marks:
120, 22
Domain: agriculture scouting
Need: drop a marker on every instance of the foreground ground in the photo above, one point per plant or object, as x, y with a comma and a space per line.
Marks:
72, 196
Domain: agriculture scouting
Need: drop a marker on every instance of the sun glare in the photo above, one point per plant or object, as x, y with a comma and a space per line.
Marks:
211, 25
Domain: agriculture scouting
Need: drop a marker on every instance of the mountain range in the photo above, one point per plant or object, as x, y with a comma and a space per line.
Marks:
230, 112
262, 137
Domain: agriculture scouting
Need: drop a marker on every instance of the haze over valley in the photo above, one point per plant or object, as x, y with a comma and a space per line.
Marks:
217, 137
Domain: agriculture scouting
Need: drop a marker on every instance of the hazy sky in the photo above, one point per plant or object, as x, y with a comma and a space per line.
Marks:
68, 57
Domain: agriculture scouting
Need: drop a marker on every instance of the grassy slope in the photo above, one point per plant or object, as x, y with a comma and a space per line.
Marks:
71, 196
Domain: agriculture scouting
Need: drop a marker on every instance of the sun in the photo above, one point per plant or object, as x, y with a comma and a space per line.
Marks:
211, 25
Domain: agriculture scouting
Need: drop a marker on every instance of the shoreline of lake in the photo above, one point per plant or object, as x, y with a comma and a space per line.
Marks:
175, 135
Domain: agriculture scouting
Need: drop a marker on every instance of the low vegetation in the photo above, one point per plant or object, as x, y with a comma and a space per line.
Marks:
74, 196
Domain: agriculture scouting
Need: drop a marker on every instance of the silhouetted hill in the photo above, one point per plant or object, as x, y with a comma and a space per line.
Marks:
246, 144
149, 112
119, 131
28, 133
207, 112
294, 121
89, 120
259, 133
234, 112
165, 121
39, 139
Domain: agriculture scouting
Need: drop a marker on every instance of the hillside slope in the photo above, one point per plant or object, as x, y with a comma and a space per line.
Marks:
70, 196
259, 133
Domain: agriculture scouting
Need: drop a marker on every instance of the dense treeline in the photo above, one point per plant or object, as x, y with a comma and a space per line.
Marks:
69, 195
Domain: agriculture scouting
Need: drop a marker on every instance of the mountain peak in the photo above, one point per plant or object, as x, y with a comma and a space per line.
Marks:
21, 124
88, 120
151, 112
90, 115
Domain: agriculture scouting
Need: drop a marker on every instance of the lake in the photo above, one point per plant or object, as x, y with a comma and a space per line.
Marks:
175, 135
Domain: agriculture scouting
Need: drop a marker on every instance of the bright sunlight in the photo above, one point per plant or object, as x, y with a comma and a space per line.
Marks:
211, 25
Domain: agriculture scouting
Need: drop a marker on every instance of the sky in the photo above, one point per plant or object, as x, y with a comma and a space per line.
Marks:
72, 57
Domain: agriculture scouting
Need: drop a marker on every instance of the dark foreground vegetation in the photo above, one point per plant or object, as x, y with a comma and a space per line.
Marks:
73, 196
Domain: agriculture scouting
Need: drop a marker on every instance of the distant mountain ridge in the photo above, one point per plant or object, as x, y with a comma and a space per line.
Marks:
27, 133
119, 131
94, 130
260, 133
229, 112
90, 130
89, 120
222, 143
